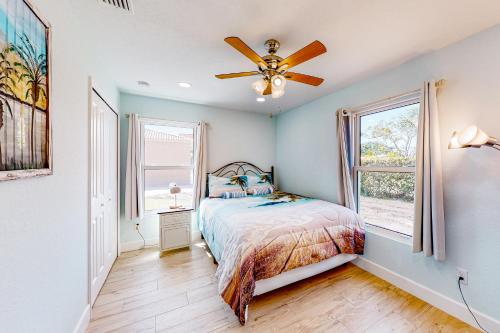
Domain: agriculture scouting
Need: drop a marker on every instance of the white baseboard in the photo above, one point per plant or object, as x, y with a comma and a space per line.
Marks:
432, 297
84, 320
137, 245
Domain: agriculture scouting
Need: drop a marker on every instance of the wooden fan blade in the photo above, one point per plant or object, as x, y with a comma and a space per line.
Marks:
310, 51
233, 75
239, 45
303, 78
268, 90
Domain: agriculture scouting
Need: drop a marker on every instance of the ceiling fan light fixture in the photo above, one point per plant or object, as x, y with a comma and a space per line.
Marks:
278, 81
259, 86
278, 85
277, 93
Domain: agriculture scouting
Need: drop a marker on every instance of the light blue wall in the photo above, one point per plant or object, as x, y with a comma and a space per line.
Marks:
231, 136
307, 164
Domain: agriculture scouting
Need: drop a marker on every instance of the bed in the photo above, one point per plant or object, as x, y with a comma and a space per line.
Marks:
265, 242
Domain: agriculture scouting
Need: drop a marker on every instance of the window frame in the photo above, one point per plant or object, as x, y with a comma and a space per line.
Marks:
388, 104
170, 123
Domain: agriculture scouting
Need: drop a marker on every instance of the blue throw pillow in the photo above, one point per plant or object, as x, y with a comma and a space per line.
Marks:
234, 195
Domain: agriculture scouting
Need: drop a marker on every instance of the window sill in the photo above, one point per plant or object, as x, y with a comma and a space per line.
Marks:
392, 235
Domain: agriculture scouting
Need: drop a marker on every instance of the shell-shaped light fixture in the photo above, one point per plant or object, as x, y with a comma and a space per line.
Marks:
471, 136
474, 136
454, 144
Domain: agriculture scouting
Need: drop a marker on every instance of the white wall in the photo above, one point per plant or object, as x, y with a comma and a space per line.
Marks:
307, 164
231, 136
43, 221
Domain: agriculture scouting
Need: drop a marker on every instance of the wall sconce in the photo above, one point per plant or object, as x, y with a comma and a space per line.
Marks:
474, 137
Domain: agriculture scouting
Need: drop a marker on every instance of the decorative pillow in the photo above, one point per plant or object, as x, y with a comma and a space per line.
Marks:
234, 195
219, 185
262, 181
262, 190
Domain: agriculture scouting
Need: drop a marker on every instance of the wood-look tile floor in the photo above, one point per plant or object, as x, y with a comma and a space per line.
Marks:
177, 293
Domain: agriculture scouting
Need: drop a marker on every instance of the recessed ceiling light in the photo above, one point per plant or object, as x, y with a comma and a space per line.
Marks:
261, 99
143, 83
184, 84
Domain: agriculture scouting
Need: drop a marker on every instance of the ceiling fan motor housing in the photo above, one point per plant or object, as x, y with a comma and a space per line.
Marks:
272, 46
272, 60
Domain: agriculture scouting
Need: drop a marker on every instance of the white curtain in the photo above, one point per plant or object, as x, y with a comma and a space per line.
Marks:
345, 189
429, 226
134, 185
200, 170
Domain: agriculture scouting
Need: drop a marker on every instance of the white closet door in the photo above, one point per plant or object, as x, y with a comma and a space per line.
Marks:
104, 193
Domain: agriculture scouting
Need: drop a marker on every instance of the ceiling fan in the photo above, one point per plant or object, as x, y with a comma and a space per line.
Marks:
274, 69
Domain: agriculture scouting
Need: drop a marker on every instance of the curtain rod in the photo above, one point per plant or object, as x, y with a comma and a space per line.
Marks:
127, 115
439, 84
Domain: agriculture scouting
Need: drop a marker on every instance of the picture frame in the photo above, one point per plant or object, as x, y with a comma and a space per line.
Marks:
25, 92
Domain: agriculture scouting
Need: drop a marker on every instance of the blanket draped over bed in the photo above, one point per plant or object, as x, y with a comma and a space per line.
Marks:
257, 238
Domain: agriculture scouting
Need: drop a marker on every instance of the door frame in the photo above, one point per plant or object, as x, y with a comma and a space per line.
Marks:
93, 87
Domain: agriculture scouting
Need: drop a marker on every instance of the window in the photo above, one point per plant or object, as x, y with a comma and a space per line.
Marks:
167, 158
385, 144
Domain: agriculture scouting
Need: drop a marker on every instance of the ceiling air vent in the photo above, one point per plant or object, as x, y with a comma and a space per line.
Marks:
122, 4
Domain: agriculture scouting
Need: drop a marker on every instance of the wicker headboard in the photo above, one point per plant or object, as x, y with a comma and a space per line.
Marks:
238, 168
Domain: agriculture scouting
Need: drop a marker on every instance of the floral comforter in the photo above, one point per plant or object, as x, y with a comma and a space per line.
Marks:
256, 238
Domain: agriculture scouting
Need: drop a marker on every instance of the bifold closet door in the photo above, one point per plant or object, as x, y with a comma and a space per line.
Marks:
104, 193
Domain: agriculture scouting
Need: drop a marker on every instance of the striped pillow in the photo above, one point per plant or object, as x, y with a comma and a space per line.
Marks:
234, 195
264, 190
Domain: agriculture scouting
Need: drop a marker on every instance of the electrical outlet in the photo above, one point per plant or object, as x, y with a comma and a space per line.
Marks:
137, 226
462, 273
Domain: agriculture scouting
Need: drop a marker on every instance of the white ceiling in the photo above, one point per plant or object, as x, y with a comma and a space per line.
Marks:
167, 41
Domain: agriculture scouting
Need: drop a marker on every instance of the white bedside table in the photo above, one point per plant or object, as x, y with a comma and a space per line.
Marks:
175, 229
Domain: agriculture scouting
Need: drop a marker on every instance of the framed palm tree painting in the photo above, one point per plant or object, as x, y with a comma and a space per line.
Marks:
25, 131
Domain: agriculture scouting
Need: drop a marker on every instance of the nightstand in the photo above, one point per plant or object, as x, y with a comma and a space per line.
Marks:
175, 229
